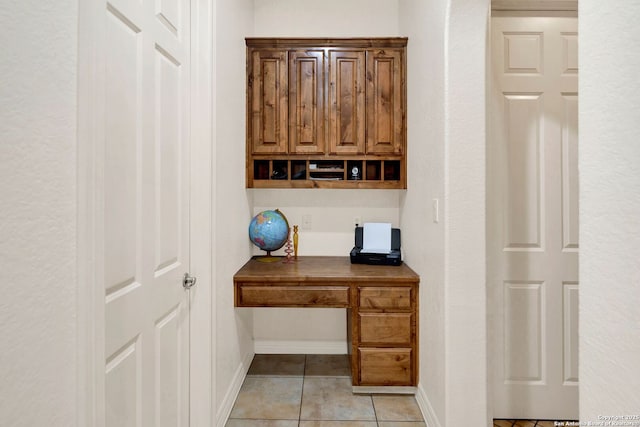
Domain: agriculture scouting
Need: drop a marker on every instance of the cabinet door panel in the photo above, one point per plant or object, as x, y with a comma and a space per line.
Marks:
269, 102
306, 101
385, 106
385, 329
346, 102
385, 366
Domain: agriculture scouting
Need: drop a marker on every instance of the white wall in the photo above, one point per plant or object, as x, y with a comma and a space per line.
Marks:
465, 259
38, 211
328, 18
424, 24
609, 209
332, 211
232, 212
446, 124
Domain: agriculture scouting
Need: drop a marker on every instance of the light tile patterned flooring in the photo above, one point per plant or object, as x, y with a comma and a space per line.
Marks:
314, 391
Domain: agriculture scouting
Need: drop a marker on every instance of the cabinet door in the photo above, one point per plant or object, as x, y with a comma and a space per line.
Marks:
346, 102
306, 101
385, 102
268, 101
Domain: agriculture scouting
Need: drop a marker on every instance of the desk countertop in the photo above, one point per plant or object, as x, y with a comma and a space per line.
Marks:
313, 268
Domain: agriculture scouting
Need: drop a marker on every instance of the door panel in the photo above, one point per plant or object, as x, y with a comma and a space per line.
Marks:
523, 332
169, 339
570, 172
346, 102
122, 394
270, 100
146, 199
168, 194
121, 145
532, 218
570, 332
384, 102
524, 186
306, 101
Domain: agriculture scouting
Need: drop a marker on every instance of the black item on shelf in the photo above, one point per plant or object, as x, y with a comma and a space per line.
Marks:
300, 174
279, 173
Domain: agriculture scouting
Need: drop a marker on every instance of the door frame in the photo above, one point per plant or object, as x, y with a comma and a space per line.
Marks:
90, 320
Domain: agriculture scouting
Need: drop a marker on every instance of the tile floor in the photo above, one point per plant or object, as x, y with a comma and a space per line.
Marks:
314, 391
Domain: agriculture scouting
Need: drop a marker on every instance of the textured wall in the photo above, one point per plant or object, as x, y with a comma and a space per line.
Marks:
465, 272
424, 24
334, 18
447, 145
232, 212
609, 210
38, 208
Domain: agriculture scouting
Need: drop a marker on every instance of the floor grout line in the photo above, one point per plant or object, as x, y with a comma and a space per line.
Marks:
304, 371
375, 413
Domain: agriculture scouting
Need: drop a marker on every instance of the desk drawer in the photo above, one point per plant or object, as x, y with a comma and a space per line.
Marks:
385, 366
292, 296
385, 328
381, 298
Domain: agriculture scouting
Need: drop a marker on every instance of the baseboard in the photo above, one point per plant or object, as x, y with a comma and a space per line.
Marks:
387, 389
430, 417
299, 347
232, 392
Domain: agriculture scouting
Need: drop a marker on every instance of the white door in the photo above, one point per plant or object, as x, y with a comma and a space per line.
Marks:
146, 216
532, 218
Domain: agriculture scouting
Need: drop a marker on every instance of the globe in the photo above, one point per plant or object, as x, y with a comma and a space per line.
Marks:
269, 230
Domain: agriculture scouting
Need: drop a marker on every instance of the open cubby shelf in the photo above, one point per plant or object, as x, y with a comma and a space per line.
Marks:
333, 173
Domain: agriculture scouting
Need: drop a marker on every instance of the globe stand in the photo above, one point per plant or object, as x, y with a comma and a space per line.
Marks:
268, 257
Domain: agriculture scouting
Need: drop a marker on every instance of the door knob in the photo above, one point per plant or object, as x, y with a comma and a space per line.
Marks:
188, 281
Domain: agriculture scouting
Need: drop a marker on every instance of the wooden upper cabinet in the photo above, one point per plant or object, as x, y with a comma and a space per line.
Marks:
347, 102
306, 101
326, 113
269, 106
385, 102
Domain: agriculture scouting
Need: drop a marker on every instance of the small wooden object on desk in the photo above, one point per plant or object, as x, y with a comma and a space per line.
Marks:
288, 259
295, 241
382, 311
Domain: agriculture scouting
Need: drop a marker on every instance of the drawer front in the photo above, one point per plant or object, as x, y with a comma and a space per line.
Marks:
385, 328
380, 298
292, 296
385, 366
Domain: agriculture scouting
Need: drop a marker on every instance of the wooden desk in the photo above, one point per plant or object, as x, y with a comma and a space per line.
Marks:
382, 305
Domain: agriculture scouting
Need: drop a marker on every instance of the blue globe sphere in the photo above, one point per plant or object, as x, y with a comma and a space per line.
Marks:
269, 230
